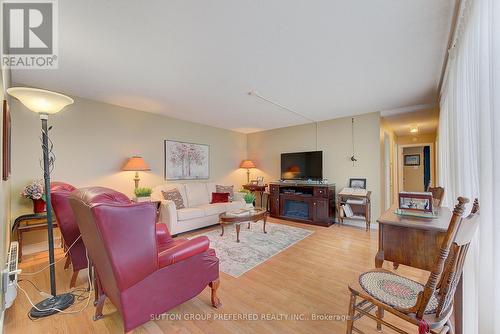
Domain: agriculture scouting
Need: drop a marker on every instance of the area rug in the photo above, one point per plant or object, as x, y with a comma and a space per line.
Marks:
254, 247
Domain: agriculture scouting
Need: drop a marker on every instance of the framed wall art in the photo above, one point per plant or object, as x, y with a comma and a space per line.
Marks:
6, 142
186, 161
412, 159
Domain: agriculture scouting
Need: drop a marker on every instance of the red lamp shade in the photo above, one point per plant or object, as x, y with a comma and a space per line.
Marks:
136, 164
247, 164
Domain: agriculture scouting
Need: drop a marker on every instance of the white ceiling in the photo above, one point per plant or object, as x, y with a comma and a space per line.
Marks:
197, 60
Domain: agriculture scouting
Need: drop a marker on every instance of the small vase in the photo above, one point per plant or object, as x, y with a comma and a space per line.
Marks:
249, 205
38, 205
143, 199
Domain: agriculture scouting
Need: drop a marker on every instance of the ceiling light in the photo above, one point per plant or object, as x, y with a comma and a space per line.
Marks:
414, 129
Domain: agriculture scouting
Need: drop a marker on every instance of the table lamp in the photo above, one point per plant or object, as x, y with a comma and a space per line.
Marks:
247, 164
45, 103
136, 164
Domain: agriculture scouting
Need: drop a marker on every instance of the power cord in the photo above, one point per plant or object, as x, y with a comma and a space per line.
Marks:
51, 264
91, 288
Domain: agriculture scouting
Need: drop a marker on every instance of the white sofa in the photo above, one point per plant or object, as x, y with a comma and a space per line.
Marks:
198, 211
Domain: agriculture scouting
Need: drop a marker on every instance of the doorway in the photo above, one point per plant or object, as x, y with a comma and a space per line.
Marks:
416, 167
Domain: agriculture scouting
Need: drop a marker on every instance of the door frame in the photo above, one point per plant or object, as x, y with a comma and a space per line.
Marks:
401, 163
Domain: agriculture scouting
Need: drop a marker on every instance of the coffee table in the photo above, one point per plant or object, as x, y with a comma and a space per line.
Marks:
238, 217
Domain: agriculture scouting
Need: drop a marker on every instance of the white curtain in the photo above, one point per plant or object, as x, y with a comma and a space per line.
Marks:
469, 152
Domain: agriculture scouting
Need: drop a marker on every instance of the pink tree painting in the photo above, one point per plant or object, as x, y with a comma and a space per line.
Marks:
185, 161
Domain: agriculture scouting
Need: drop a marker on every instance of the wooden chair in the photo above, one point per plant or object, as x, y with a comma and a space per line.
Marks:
429, 306
437, 194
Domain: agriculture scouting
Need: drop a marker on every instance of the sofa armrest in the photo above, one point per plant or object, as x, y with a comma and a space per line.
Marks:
183, 251
238, 196
168, 214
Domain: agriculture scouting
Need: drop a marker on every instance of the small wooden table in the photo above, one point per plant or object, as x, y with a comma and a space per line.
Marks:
253, 216
254, 188
28, 223
361, 211
415, 242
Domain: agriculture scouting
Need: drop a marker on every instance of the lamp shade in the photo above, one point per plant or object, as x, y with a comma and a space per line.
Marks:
39, 100
247, 164
136, 164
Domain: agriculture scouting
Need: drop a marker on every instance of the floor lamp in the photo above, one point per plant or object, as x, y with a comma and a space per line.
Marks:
44, 103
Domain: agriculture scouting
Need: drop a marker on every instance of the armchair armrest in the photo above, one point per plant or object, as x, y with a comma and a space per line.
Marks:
163, 236
183, 251
168, 214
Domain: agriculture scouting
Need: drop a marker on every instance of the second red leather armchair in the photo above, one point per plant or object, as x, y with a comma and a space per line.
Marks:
140, 267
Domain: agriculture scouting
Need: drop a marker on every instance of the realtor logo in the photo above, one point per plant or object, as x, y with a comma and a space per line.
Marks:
29, 34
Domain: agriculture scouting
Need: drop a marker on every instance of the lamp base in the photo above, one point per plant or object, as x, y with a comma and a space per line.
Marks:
47, 306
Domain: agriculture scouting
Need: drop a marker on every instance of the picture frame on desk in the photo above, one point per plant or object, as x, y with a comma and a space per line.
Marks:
416, 202
357, 183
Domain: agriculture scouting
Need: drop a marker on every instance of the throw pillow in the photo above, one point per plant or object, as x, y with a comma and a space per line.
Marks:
175, 196
220, 198
225, 189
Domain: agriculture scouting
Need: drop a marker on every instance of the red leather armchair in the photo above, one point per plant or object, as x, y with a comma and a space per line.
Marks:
143, 271
59, 193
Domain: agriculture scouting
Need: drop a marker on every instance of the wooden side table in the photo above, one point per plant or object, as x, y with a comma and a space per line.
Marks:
28, 223
361, 211
256, 189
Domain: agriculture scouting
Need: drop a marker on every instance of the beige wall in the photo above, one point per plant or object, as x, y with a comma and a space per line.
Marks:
4, 194
413, 176
334, 139
414, 141
92, 141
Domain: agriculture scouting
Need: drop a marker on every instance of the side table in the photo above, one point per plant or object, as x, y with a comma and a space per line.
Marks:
28, 223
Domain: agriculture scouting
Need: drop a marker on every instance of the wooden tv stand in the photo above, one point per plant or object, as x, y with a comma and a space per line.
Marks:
303, 202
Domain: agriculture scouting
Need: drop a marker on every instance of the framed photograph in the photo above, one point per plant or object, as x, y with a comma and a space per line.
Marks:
412, 159
6, 142
416, 201
357, 183
260, 180
186, 161
254, 182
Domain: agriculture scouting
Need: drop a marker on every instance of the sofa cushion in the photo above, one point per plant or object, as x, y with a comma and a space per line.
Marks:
190, 213
175, 196
219, 198
231, 206
197, 194
211, 187
169, 186
226, 189
213, 209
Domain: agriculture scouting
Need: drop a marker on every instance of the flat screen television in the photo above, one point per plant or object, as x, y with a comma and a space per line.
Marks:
302, 166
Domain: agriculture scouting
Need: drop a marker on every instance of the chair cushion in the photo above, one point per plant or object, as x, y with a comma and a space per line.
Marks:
175, 196
190, 213
394, 290
197, 194
220, 198
213, 209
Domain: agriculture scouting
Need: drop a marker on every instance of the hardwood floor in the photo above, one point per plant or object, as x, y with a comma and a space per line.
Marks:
306, 280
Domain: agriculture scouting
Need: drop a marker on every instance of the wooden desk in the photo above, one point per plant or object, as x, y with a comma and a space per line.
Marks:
415, 242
